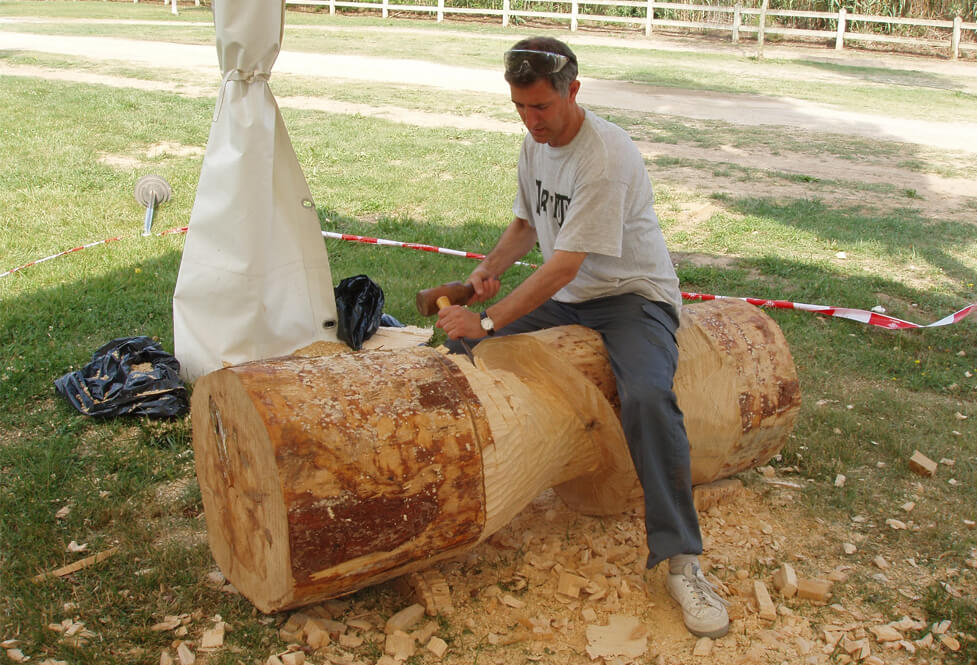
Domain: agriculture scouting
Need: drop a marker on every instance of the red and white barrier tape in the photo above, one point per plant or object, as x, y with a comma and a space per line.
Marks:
181, 229
859, 315
411, 245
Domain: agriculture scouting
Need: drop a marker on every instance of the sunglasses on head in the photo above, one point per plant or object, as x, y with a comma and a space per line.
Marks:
541, 63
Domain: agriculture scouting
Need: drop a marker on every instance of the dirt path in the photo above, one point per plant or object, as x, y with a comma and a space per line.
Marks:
742, 109
867, 181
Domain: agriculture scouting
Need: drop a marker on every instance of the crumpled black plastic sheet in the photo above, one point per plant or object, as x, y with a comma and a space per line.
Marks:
127, 376
359, 308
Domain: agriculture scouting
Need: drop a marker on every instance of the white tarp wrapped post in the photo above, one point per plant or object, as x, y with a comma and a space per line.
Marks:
254, 281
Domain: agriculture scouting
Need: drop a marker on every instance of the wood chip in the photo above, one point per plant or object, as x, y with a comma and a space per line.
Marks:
765, 608
921, 464
437, 646
405, 619
315, 635
184, 655
614, 639
77, 565
949, 642
429, 588
703, 647
814, 589
716, 493
570, 584
293, 658
400, 645
213, 638
886, 633
513, 602
785, 581
880, 562
849, 548
896, 524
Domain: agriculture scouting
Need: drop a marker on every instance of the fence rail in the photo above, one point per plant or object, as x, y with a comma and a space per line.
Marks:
652, 14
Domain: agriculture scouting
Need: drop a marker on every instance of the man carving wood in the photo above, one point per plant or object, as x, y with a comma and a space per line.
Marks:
584, 195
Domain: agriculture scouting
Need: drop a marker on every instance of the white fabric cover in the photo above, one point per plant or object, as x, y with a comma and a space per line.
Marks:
254, 281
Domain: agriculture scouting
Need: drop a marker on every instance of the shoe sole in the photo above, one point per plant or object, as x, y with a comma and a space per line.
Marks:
712, 634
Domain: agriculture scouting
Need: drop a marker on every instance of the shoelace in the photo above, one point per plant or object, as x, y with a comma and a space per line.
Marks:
703, 590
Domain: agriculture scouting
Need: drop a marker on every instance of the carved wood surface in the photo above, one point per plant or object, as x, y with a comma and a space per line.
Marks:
323, 475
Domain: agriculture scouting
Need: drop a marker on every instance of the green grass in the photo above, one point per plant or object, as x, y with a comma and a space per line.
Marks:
870, 396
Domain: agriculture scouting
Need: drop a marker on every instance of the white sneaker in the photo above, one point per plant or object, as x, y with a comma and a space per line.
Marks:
703, 610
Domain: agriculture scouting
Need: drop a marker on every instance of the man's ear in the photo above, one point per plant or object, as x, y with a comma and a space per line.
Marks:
572, 91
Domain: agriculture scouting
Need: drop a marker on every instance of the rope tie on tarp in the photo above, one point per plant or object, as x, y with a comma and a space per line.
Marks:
237, 75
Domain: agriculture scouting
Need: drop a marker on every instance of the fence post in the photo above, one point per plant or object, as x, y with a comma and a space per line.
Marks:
574, 11
737, 22
955, 38
760, 26
650, 18
842, 21
332, 7
505, 13
175, 11
440, 11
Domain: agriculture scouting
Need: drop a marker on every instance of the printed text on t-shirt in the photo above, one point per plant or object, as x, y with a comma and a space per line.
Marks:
560, 203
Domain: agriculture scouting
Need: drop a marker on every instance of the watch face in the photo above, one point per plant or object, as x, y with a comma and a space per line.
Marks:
487, 324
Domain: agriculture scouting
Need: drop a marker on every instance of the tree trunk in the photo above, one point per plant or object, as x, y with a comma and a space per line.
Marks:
323, 475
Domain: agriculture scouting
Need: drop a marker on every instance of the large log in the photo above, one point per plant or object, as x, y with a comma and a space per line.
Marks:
322, 475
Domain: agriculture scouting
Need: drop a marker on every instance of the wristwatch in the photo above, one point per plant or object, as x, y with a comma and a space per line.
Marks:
487, 325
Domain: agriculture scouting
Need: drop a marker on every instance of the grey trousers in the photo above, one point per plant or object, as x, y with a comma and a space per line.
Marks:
640, 339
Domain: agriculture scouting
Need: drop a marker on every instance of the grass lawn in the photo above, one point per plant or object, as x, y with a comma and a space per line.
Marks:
73, 151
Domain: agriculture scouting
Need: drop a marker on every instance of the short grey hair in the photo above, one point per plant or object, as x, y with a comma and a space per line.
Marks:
561, 80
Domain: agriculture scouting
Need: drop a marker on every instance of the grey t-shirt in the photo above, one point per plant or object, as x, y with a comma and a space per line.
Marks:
593, 195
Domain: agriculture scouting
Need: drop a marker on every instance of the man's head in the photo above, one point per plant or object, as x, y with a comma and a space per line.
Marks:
542, 76
538, 58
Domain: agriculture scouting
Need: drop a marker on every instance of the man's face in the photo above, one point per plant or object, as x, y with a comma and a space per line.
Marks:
549, 117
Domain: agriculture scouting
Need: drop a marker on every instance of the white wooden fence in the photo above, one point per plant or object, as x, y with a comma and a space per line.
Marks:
651, 14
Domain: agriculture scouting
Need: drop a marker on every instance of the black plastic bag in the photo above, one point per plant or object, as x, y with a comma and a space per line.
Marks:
359, 307
127, 376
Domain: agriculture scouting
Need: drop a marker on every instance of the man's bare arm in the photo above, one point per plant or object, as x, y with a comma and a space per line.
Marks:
516, 241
